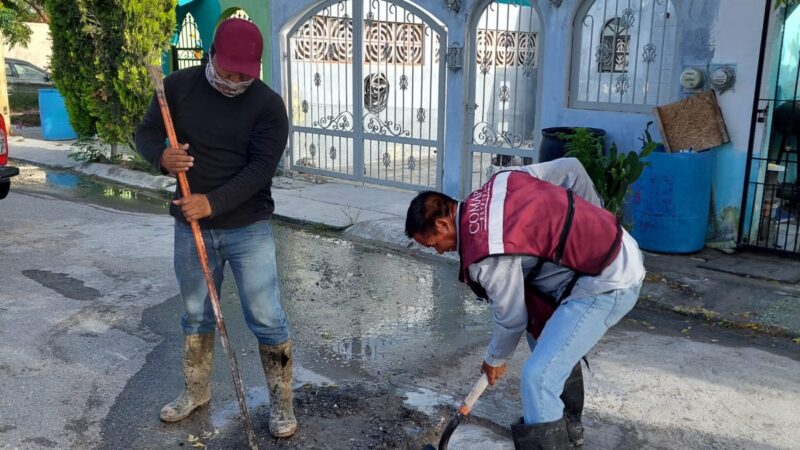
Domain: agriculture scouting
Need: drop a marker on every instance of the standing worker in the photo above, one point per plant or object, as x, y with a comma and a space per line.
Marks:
538, 231
233, 129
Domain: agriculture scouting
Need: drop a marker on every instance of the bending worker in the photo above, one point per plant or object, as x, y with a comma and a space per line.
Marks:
233, 130
538, 231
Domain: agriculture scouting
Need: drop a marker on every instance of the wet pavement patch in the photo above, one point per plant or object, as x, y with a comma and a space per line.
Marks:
68, 185
63, 284
358, 416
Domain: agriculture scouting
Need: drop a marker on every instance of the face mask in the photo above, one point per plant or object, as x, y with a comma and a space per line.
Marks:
225, 87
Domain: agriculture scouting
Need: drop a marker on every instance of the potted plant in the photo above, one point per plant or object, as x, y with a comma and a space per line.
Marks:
555, 139
612, 172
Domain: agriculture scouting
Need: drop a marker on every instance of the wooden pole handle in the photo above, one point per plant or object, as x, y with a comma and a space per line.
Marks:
474, 394
158, 81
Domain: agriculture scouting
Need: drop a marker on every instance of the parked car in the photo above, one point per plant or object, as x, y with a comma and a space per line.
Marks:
24, 82
6, 171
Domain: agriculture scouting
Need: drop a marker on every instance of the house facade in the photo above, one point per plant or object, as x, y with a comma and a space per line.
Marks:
440, 94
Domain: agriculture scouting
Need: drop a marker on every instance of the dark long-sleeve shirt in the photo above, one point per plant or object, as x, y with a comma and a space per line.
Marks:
236, 143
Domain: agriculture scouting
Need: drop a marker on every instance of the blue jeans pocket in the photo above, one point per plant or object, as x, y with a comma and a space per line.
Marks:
624, 301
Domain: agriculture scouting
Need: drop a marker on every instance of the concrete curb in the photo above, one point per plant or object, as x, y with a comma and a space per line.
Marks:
716, 318
129, 177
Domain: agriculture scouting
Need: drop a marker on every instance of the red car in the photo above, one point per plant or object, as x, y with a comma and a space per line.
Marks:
6, 171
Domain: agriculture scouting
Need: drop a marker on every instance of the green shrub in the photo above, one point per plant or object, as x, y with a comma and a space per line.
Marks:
612, 172
92, 150
100, 48
72, 65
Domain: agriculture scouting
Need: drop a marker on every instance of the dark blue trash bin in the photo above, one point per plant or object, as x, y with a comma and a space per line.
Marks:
669, 203
54, 117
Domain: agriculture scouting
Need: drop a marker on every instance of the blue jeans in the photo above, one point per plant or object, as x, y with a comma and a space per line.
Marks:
250, 251
575, 327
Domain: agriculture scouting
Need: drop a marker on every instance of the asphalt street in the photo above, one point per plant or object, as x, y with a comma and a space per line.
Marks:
386, 342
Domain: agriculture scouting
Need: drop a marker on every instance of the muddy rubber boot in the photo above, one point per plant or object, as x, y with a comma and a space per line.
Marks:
541, 436
573, 406
198, 358
277, 362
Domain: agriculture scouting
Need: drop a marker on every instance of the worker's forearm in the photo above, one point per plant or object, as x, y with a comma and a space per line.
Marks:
502, 344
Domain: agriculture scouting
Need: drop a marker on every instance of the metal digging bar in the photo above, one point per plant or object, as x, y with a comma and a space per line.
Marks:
463, 411
158, 81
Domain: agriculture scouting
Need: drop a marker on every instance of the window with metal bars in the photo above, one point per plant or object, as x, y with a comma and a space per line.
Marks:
615, 44
624, 55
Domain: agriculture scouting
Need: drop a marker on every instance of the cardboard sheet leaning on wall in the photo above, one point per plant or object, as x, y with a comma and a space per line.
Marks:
694, 123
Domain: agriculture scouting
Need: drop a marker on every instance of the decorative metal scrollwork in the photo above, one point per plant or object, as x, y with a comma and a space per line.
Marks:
603, 54
412, 162
628, 18
312, 150
304, 106
485, 64
403, 82
621, 85
386, 53
387, 159
528, 67
485, 134
342, 122
505, 94
332, 152
649, 53
376, 125
317, 79
376, 92
421, 115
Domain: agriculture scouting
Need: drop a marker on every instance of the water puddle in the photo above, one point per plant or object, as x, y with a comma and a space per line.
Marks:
259, 396
426, 400
72, 186
228, 412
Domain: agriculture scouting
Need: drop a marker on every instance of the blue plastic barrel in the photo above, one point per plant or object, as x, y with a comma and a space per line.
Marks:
54, 117
669, 203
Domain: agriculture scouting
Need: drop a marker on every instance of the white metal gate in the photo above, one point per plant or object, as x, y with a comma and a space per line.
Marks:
502, 62
373, 111
188, 48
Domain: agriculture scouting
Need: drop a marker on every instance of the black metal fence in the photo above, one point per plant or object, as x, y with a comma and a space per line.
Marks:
771, 205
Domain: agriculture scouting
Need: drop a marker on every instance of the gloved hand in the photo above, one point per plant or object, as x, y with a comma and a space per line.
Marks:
493, 373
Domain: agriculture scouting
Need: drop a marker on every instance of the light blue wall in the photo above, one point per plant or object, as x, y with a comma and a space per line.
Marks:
697, 20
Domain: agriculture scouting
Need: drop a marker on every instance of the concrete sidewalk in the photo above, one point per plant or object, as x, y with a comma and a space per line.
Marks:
746, 290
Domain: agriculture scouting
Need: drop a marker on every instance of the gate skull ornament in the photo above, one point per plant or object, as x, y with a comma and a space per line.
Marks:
376, 92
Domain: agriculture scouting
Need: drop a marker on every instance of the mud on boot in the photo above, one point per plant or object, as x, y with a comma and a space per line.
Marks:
277, 363
541, 436
574, 431
198, 358
572, 396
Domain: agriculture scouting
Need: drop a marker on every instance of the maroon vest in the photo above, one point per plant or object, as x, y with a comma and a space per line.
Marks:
515, 213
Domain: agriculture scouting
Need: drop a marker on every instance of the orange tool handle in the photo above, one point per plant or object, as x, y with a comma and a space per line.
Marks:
158, 81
